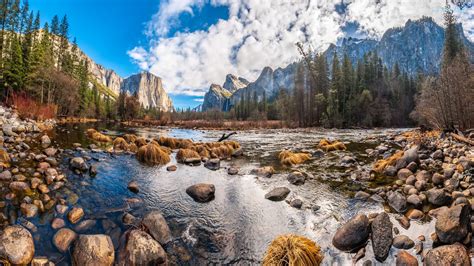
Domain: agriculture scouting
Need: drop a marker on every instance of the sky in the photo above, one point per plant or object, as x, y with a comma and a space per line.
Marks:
193, 43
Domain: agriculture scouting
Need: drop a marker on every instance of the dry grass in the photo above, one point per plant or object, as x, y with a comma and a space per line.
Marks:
417, 136
292, 250
132, 147
289, 158
202, 150
152, 154
29, 108
140, 142
130, 138
327, 145
184, 155
380, 165
120, 144
4, 158
97, 136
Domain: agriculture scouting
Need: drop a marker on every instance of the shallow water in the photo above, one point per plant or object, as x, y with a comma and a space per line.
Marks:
238, 225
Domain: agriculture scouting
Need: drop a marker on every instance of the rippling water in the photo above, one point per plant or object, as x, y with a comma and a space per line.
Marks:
238, 225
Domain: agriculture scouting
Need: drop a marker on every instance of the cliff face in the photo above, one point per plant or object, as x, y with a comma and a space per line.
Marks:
215, 98
416, 47
149, 89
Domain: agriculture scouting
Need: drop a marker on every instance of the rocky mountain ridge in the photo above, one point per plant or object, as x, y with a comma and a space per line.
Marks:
148, 87
416, 47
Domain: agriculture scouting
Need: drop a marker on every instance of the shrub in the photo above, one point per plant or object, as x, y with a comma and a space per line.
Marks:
29, 108
290, 158
152, 154
292, 250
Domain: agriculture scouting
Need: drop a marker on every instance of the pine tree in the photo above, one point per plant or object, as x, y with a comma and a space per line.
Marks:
14, 70
451, 41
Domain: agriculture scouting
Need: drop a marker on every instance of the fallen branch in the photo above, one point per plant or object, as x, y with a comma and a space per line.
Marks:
224, 136
462, 139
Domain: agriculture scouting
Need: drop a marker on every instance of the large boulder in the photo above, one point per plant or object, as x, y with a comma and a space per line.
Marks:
141, 249
91, 250
381, 236
16, 245
455, 254
201, 192
353, 234
397, 201
453, 224
157, 226
410, 155
278, 194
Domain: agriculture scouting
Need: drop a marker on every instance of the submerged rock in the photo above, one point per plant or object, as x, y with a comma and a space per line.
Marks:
353, 234
278, 194
141, 249
266, 171
213, 164
201, 192
90, 250
296, 178
296, 203
232, 170
75, 214
453, 224
16, 245
78, 163
455, 254
133, 186
157, 226
381, 236
397, 201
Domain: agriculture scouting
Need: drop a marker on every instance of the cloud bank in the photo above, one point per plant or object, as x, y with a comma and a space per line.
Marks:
261, 33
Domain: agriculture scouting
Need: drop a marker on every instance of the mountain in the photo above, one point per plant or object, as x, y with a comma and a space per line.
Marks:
147, 86
416, 47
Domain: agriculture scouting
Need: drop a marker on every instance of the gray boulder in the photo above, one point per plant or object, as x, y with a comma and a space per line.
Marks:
353, 234
277, 194
381, 236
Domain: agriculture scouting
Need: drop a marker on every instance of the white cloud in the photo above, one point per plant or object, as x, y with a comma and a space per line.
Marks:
261, 33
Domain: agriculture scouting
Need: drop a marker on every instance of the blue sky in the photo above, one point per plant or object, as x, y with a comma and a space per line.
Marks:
107, 29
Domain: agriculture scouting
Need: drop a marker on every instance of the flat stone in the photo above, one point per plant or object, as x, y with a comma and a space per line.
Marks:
278, 194
75, 214
92, 250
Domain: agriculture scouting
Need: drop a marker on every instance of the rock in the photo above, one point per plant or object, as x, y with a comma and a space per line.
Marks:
128, 219
5, 176
278, 194
353, 234
157, 226
410, 155
361, 195
348, 160
403, 242
213, 164
296, 203
171, 168
133, 186
78, 163
438, 154
266, 171
57, 223
453, 224
381, 236
29, 210
45, 140
232, 170
405, 259
455, 254
404, 173
63, 239
414, 200
412, 167
397, 201
61, 209
75, 214
41, 261
141, 249
296, 178
93, 170
19, 186
437, 179
201, 192
85, 225
415, 214
438, 197
50, 152
390, 170
16, 245
43, 189
8, 130
91, 250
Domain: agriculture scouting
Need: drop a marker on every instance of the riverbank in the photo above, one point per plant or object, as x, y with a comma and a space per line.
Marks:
75, 191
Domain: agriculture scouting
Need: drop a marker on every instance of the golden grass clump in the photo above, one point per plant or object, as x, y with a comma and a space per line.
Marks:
141, 142
202, 150
90, 132
120, 144
130, 138
380, 165
133, 147
292, 250
222, 151
152, 154
290, 158
97, 136
187, 155
4, 158
327, 145
168, 142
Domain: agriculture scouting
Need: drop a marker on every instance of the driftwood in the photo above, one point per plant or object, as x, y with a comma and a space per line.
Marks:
224, 136
462, 139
